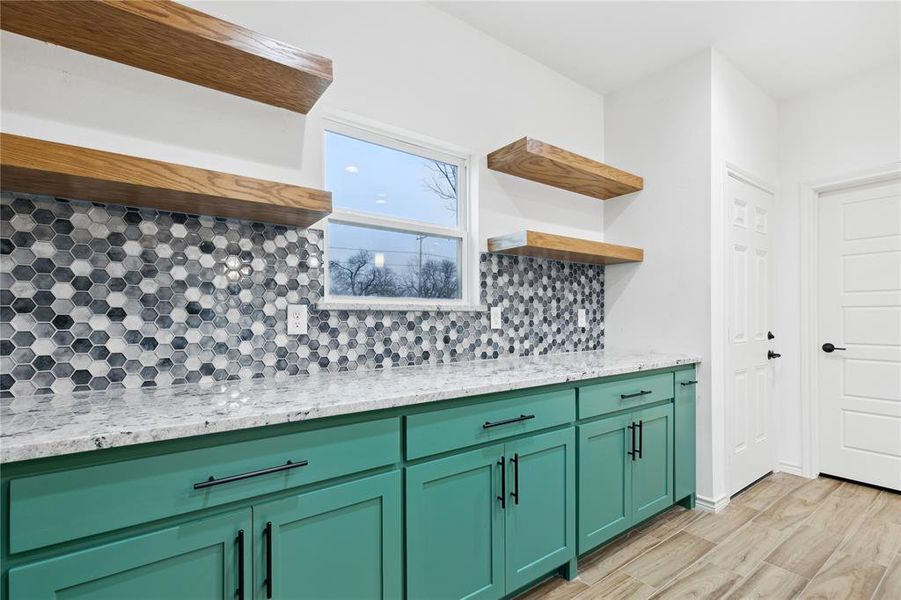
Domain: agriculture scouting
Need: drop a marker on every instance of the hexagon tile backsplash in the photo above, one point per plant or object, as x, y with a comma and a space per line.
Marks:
94, 296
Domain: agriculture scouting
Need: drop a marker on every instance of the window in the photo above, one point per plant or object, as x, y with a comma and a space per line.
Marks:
400, 232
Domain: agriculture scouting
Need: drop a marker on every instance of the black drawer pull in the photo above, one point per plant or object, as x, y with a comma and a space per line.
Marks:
503, 496
267, 531
692, 382
489, 424
240, 541
636, 394
213, 481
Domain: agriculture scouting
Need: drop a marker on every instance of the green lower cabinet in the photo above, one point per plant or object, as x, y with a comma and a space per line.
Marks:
198, 559
625, 472
455, 523
605, 480
540, 513
342, 542
684, 417
484, 523
652, 469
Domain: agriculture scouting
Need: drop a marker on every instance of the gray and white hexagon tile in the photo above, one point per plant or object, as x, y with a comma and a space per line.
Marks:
94, 296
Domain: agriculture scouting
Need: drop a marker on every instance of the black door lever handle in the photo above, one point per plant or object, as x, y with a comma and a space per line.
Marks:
770, 355
829, 347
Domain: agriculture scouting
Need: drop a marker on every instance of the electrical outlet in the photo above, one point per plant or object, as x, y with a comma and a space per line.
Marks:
582, 319
496, 317
297, 319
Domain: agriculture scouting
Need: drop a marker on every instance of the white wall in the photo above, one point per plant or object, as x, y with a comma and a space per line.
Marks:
407, 65
660, 128
744, 124
852, 126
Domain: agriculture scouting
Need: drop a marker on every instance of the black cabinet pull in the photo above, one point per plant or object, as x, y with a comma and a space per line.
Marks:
515, 492
692, 382
632, 452
503, 496
770, 355
636, 394
213, 481
240, 541
830, 347
489, 424
268, 533
640, 438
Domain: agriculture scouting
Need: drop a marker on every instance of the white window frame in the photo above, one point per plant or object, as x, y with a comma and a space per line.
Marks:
467, 223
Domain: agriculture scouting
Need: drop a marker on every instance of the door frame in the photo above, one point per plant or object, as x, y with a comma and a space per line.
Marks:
720, 357
809, 318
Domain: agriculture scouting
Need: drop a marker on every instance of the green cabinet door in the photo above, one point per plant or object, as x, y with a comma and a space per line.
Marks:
455, 527
684, 433
341, 542
652, 470
605, 480
540, 518
198, 559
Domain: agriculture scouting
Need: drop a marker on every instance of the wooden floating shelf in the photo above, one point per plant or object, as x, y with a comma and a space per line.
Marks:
537, 161
42, 167
559, 247
174, 40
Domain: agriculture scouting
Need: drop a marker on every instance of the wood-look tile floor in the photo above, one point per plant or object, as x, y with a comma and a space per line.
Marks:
784, 537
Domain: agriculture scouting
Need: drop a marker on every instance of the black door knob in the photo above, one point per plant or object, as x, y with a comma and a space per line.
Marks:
770, 355
828, 347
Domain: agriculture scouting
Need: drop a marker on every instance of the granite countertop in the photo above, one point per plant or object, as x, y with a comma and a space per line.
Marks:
51, 425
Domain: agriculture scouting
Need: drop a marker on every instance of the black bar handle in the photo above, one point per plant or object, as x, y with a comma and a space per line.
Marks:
503, 496
770, 355
515, 492
636, 394
489, 424
213, 481
240, 541
640, 438
632, 451
830, 347
268, 532
692, 382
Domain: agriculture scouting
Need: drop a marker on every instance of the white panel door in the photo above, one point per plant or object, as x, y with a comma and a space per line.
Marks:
859, 382
751, 444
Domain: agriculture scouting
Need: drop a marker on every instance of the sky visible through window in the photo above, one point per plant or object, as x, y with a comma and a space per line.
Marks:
365, 261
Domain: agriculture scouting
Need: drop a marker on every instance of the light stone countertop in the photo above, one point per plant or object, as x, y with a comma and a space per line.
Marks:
57, 424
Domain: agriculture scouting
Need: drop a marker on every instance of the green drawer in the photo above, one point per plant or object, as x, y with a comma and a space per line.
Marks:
57, 507
442, 430
624, 394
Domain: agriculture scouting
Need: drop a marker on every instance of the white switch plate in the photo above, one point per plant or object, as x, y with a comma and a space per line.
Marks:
582, 318
496, 317
297, 319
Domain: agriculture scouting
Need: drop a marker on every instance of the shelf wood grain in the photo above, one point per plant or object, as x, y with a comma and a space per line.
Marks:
537, 161
173, 40
559, 247
41, 167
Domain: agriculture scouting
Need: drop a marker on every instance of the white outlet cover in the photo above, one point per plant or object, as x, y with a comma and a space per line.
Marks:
297, 319
582, 318
496, 317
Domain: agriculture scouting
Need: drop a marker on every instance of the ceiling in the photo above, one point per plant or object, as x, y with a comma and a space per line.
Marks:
784, 47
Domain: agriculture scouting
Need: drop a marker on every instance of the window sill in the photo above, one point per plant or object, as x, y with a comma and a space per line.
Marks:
400, 306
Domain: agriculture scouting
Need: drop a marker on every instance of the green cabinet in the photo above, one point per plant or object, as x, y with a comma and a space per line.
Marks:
483, 523
625, 472
339, 542
198, 559
540, 520
605, 480
652, 467
684, 421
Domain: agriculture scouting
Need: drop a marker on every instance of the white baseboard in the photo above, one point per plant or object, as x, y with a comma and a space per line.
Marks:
711, 505
784, 467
